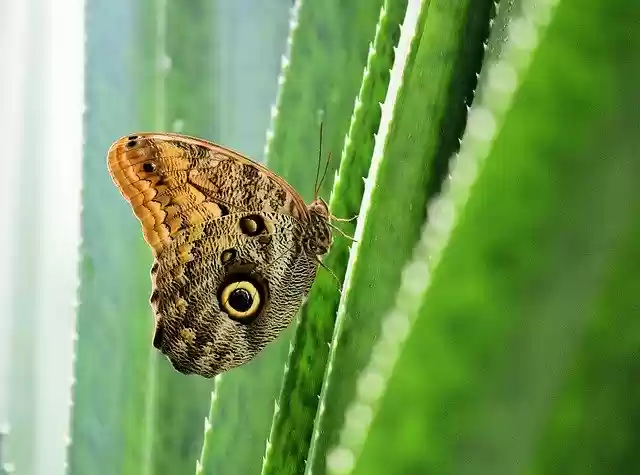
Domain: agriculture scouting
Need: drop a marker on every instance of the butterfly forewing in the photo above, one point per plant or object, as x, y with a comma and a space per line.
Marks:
174, 181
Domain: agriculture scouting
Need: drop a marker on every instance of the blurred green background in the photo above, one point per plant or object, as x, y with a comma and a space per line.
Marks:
485, 321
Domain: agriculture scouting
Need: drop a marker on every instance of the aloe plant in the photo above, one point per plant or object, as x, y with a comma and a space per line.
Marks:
484, 319
190, 103
108, 430
137, 415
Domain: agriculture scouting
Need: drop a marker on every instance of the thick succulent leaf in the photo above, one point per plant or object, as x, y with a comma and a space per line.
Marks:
520, 352
423, 117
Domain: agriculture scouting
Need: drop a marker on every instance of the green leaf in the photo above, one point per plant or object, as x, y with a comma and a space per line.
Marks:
436, 78
522, 351
137, 414
293, 423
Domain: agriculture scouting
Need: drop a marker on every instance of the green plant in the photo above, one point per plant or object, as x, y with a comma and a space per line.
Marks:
484, 319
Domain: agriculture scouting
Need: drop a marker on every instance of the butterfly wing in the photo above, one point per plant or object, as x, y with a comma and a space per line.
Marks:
174, 181
231, 269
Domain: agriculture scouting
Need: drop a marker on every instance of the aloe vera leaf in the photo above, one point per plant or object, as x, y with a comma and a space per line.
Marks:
290, 437
428, 106
497, 354
251, 38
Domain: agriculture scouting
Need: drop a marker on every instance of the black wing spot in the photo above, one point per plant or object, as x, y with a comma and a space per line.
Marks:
252, 225
149, 167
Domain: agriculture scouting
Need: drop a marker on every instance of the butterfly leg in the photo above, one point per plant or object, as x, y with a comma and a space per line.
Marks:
342, 232
343, 220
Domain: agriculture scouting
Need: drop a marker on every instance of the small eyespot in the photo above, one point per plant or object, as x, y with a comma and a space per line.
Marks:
252, 225
241, 300
149, 167
132, 143
228, 256
223, 209
132, 137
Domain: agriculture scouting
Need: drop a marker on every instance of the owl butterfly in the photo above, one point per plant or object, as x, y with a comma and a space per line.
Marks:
235, 248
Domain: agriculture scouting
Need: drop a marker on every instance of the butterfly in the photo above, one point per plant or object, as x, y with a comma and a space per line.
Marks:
235, 247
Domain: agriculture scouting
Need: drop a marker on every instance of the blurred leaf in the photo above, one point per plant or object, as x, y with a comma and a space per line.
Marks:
181, 402
521, 346
114, 319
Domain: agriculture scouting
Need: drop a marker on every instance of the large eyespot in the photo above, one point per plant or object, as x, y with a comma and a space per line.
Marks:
252, 225
241, 300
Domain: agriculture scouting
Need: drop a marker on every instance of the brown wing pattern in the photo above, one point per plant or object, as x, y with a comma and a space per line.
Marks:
175, 182
236, 248
193, 328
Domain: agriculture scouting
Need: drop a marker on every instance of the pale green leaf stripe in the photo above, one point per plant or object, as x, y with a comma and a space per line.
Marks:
331, 36
185, 52
114, 318
424, 114
159, 121
519, 358
288, 444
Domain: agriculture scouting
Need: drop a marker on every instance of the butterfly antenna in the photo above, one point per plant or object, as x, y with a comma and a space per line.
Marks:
324, 173
318, 183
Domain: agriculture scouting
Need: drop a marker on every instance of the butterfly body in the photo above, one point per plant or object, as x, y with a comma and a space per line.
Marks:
235, 248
